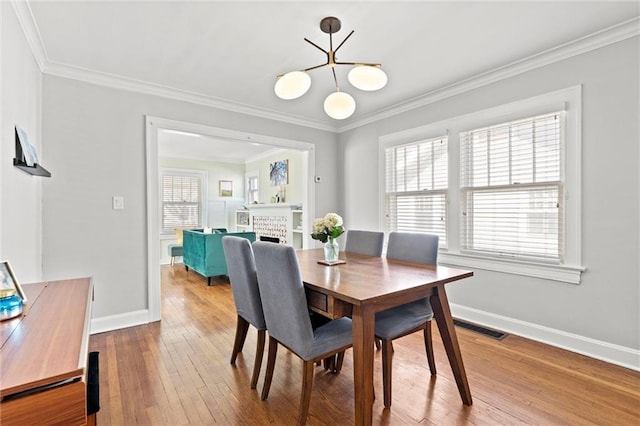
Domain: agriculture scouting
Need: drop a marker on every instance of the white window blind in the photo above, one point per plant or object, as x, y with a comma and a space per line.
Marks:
416, 187
181, 202
512, 189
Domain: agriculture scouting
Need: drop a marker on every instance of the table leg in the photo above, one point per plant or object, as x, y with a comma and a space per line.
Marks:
363, 327
442, 313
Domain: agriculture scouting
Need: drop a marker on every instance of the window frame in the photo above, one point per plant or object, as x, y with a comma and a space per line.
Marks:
201, 174
496, 177
247, 180
568, 100
416, 193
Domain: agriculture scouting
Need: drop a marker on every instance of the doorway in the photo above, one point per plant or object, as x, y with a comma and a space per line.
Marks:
153, 125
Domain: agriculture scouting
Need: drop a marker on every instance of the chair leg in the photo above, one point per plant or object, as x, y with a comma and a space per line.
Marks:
172, 258
377, 343
241, 334
271, 363
305, 398
339, 361
387, 356
258, 362
428, 344
329, 363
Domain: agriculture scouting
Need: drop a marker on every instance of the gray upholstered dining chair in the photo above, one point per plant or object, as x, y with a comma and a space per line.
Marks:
285, 310
365, 242
241, 268
411, 317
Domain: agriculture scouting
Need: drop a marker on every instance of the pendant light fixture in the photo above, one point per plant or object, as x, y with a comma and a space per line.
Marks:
338, 105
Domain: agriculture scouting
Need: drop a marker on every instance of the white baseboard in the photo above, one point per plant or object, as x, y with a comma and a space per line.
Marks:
614, 354
115, 322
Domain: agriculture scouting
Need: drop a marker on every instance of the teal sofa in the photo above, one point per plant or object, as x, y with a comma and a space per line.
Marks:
203, 252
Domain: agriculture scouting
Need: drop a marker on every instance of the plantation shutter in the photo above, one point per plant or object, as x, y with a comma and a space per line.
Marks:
416, 187
181, 203
512, 189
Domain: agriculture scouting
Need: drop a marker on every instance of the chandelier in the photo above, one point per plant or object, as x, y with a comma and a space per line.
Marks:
338, 105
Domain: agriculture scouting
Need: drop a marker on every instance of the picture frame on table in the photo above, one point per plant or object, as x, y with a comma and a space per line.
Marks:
9, 282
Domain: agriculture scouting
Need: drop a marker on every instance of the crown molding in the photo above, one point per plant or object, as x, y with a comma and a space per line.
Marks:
31, 33
597, 40
118, 82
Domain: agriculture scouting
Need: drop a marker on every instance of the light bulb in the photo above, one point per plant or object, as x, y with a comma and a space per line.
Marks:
292, 85
339, 105
367, 77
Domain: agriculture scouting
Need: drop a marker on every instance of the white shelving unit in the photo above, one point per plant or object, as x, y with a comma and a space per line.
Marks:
243, 220
297, 231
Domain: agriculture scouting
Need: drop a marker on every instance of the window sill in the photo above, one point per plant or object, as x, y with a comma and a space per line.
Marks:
563, 273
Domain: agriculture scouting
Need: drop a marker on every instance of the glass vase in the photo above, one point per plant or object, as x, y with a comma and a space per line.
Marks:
331, 250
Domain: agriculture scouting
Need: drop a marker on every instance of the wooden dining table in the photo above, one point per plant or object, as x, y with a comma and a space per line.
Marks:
365, 285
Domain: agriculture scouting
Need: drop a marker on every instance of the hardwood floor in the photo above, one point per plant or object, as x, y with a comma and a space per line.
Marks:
177, 371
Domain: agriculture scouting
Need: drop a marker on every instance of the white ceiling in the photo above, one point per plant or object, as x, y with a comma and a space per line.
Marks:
230, 52
178, 144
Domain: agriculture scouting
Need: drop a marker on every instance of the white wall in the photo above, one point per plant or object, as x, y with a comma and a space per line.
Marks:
20, 193
95, 143
605, 306
293, 190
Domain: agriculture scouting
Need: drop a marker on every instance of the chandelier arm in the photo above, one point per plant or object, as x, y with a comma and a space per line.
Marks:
313, 68
333, 70
315, 45
367, 64
345, 39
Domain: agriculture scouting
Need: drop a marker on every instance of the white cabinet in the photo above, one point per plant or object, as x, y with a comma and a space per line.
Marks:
284, 221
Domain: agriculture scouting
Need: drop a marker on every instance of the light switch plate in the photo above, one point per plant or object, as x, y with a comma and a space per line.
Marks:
118, 202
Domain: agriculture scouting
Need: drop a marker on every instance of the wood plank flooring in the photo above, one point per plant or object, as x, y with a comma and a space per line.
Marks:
177, 372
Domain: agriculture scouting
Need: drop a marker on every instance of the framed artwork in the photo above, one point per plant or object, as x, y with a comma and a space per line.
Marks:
9, 282
279, 173
226, 188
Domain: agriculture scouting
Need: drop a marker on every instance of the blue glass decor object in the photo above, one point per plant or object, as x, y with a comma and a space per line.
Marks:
10, 307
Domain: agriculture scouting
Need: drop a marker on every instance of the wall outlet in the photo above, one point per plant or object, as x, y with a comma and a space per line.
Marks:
118, 202
317, 179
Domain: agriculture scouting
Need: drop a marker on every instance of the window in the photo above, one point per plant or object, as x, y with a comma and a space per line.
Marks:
416, 187
512, 200
511, 196
181, 201
252, 189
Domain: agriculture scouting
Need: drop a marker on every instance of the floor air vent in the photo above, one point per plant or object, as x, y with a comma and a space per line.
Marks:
498, 335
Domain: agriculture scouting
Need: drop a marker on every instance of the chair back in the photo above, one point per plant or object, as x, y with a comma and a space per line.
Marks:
413, 247
241, 268
178, 232
283, 297
368, 243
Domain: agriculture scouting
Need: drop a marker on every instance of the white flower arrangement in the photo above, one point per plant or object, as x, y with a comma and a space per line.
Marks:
328, 227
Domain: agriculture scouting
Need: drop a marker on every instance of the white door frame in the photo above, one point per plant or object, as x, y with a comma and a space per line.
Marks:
153, 188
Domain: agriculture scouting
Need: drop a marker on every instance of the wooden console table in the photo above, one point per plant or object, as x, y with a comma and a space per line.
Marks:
44, 356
